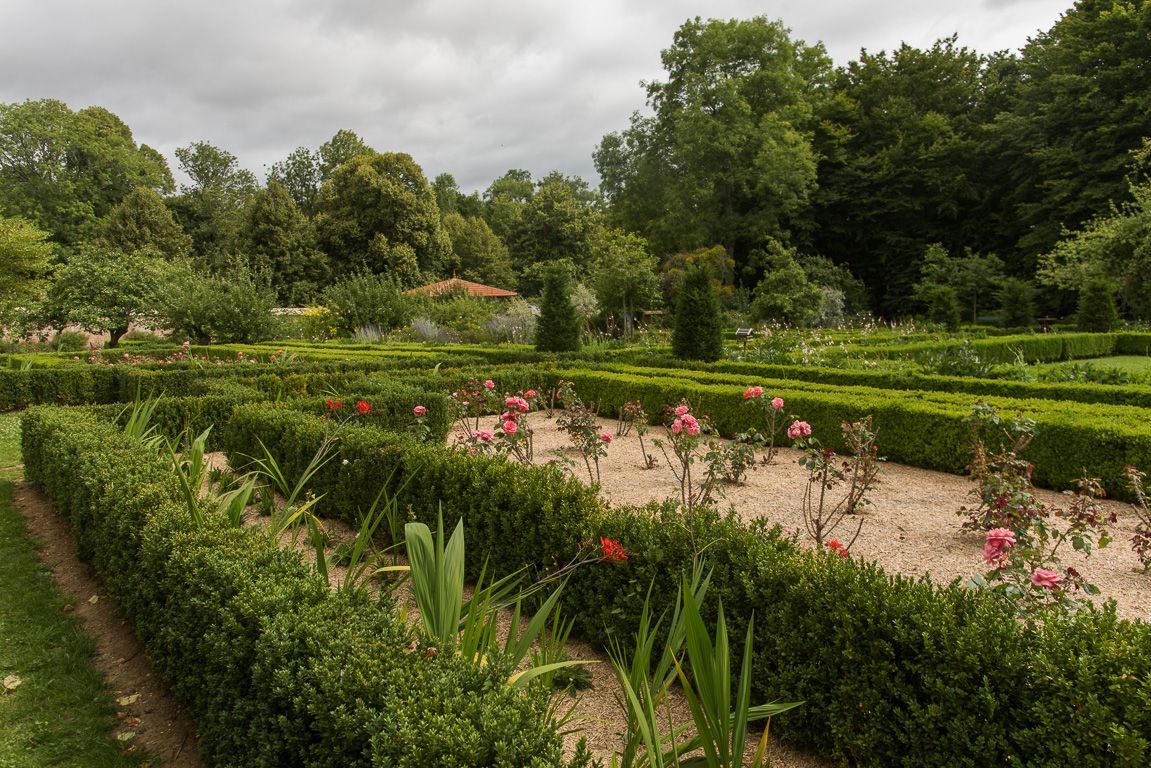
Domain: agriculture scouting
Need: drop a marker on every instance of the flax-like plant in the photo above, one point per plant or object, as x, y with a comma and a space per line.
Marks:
644, 690
469, 628
721, 724
190, 469
139, 425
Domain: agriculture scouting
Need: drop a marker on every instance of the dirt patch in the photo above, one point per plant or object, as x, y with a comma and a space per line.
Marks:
149, 708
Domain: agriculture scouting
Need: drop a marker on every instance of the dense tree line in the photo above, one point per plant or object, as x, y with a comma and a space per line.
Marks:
942, 182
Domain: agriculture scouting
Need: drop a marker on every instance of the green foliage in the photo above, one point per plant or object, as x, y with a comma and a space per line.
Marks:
140, 221
784, 295
1016, 303
276, 239
105, 290
236, 308
364, 299
65, 171
275, 668
24, 255
557, 327
698, 333
209, 208
624, 274
942, 305
898, 146
303, 172
480, 255
726, 157
556, 223
378, 214
1097, 313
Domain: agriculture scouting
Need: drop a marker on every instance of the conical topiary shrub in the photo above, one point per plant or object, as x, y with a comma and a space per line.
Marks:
698, 332
1097, 313
558, 327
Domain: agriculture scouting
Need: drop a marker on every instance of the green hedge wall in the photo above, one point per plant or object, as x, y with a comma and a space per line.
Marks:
275, 669
923, 429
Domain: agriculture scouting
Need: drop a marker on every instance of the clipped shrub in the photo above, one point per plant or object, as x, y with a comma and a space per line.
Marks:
698, 331
1096, 311
558, 326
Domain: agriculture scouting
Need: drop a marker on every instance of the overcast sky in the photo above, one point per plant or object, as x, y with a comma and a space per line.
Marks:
468, 87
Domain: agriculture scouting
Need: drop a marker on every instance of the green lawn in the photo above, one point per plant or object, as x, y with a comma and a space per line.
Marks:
59, 713
1129, 363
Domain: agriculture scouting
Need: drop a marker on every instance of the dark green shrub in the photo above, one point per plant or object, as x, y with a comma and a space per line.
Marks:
365, 300
1096, 311
1016, 303
557, 328
698, 332
942, 305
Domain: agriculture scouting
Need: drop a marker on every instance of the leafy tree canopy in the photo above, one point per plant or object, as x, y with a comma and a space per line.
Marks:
24, 254
277, 240
480, 256
378, 213
303, 172
624, 275
65, 170
726, 157
104, 290
142, 220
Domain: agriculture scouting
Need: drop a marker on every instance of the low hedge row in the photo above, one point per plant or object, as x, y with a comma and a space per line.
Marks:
923, 429
275, 668
1034, 348
512, 513
1134, 395
894, 672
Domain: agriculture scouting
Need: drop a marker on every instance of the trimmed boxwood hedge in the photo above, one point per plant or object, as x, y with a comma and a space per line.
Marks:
275, 669
923, 429
893, 671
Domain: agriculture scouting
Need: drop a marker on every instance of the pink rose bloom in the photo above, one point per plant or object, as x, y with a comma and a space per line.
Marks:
680, 411
676, 427
506, 416
998, 540
510, 428
691, 425
530, 393
777, 403
1045, 579
484, 436
490, 384
799, 429
606, 437
419, 410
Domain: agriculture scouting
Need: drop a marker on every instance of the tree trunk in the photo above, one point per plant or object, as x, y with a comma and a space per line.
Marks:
114, 335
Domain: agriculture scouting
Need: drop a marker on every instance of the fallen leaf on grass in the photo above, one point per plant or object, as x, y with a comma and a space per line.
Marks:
124, 701
126, 735
93, 599
12, 682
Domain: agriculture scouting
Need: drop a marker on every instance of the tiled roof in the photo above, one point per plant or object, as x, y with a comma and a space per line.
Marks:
455, 284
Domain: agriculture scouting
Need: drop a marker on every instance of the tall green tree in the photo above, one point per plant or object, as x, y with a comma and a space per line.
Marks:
899, 148
1081, 100
209, 207
142, 220
726, 157
698, 330
785, 295
105, 290
505, 199
24, 254
1114, 248
274, 238
624, 275
554, 225
378, 213
65, 171
303, 172
480, 256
